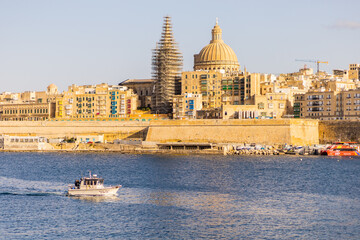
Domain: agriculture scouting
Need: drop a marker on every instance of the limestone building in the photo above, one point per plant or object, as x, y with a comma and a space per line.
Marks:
143, 88
28, 105
27, 111
100, 101
331, 105
268, 106
186, 105
354, 71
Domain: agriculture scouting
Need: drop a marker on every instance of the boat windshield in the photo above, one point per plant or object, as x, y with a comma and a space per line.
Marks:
93, 181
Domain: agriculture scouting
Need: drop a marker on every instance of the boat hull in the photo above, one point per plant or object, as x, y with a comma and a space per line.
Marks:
107, 191
342, 153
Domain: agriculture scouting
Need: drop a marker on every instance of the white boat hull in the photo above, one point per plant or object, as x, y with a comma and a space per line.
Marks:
107, 191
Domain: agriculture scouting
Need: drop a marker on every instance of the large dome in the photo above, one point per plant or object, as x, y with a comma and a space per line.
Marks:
216, 55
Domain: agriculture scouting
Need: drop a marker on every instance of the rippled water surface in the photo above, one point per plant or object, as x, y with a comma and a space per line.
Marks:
181, 197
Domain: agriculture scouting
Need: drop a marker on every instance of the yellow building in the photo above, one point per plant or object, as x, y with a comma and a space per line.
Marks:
28, 105
240, 89
96, 101
143, 88
30, 96
354, 71
218, 88
27, 111
186, 105
328, 105
206, 83
270, 105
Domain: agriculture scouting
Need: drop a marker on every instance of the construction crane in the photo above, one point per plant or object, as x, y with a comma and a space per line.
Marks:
313, 61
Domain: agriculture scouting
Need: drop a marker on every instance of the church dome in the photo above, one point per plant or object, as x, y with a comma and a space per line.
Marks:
52, 89
216, 55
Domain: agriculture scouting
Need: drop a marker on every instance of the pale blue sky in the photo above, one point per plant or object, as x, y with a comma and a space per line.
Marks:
90, 42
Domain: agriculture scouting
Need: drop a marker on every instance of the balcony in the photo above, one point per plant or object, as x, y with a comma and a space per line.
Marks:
315, 109
315, 104
315, 97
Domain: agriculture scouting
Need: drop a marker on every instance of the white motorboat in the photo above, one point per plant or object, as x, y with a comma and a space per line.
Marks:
91, 186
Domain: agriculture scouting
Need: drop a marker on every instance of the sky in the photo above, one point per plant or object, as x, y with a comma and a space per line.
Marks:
91, 42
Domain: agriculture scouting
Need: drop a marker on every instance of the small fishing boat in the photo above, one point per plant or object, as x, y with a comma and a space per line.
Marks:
91, 186
343, 149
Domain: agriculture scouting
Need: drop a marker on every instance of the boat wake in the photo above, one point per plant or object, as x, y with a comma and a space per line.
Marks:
14, 186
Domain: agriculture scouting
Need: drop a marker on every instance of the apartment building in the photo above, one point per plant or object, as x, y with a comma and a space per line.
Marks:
330, 105
218, 88
186, 105
96, 101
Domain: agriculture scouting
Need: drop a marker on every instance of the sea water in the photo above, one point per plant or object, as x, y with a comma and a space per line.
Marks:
181, 197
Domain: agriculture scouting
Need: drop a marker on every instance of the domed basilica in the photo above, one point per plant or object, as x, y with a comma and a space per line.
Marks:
217, 55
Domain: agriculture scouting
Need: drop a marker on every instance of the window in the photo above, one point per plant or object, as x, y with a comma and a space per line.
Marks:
261, 105
271, 105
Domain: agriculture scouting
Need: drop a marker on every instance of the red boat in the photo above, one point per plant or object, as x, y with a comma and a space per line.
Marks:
343, 149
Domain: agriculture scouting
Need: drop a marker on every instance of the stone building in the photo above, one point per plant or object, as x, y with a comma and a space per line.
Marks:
344, 105
29, 105
141, 87
354, 71
207, 83
27, 111
186, 105
269, 106
96, 101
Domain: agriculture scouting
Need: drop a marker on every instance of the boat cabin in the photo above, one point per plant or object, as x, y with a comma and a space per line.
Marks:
89, 182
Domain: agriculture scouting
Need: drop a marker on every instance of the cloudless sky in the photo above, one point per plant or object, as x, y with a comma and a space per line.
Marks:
90, 42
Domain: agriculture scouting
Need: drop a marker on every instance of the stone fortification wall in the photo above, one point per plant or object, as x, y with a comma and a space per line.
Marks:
291, 131
340, 130
59, 129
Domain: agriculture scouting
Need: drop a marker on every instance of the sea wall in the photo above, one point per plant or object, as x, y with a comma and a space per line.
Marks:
340, 130
290, 131
58, 129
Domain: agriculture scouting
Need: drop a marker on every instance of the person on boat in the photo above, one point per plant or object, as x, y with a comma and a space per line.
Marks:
77, 184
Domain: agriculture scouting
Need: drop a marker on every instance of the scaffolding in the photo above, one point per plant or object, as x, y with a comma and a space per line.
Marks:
166, 66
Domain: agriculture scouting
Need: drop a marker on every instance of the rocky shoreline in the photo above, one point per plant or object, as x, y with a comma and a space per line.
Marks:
174, 149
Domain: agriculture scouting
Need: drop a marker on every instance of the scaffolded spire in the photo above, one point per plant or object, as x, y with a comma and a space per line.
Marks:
167, 66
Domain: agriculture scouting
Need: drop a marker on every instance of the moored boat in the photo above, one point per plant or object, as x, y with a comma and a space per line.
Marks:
343, 149
91, 186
